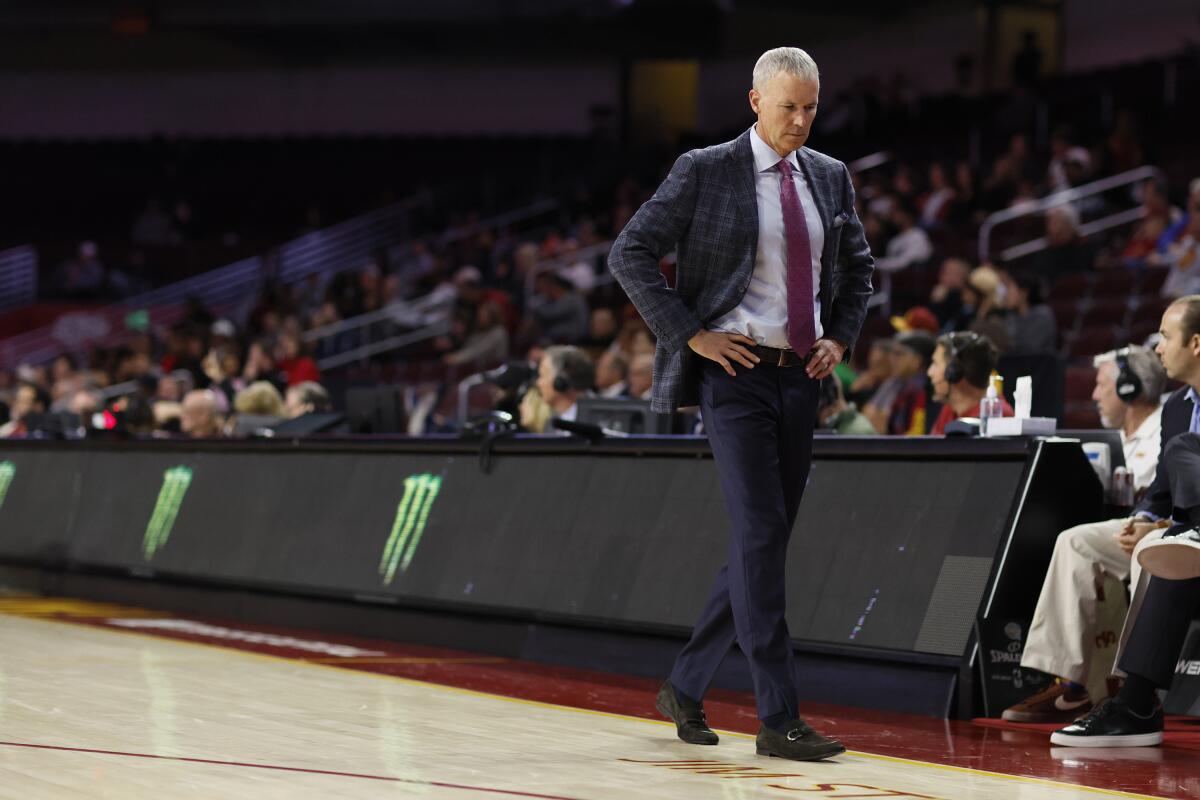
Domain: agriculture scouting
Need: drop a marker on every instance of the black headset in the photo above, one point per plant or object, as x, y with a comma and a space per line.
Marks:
1129, 385
573, 376
958, 343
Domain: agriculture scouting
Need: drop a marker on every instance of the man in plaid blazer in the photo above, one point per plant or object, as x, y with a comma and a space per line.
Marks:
772, 282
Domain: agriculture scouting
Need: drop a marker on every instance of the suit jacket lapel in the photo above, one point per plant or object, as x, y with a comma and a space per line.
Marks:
816, 183
741, 168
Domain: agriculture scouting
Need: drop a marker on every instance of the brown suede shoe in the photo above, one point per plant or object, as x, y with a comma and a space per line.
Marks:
1054, 704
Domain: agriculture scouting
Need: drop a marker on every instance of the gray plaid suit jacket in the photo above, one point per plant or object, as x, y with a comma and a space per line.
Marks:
707, 211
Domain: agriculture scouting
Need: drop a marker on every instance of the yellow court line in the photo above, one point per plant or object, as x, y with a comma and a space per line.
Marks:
541, 704
36, 607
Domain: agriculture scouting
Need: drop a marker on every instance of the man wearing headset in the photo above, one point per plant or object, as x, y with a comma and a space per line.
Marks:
1066, 638
565, 374
961, 367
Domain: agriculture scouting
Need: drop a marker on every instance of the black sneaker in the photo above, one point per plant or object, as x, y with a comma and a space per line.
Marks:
1112, 724
799, 743
689, 719
1174, 557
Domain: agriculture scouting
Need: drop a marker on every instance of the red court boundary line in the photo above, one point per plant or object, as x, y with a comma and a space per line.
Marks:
439, 784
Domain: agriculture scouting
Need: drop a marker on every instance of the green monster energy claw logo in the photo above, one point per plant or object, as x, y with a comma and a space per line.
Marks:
411, 516
175, 485
7, 470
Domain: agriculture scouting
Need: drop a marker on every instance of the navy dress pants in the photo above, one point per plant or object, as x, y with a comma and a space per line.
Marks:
1168, 607
760, 426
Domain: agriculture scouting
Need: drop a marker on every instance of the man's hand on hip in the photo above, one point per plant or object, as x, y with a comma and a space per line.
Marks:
724, 348
824, 356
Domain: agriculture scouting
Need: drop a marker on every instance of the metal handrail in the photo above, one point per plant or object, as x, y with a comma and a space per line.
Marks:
118, 390
575, 256
870, 161
1058, 199
418, 310
224, 286
464, 395
534, 209
385, 345
1086, 229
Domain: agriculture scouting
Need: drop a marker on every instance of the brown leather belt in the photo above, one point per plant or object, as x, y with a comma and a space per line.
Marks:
778, 358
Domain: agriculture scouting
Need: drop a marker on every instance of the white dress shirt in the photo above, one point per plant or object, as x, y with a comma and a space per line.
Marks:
616, 390
1141, 450
762, 314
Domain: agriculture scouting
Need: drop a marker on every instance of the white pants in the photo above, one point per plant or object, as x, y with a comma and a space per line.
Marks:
1082, 608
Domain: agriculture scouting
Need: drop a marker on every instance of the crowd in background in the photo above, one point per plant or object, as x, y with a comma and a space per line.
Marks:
500, 300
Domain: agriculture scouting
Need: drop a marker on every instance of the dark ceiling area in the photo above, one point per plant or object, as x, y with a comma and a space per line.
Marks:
71, 34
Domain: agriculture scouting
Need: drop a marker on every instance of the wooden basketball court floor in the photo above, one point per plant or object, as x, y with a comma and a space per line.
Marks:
105, 701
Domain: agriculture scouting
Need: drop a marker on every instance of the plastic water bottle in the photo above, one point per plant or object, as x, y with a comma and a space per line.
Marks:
989, 408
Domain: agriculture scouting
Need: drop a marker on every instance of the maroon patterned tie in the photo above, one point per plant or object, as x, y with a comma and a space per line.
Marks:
802, 330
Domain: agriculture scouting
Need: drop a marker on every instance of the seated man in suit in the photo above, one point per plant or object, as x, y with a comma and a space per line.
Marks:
1158, 621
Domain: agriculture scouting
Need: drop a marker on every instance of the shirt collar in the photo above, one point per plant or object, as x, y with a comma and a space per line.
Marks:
1191, 395
764, 157
1150, 426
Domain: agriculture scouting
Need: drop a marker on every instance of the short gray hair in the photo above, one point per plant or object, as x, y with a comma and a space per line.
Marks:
574, 365
311, 393
1145, 365
791, 60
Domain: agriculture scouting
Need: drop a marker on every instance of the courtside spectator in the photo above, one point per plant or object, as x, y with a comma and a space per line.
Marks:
296, 365
1063, 638
198, 417
30, 399
1183, 256
565, 374
1031, 325
535, 411
960, 370
835, 414
917, 318
602, 329
560, 311
1176, 231
907, 415
641, 376
488, 342
260, 398
946, 297
1157, 217
612, 374
306, 398
875, 377
909, 247
1065, 250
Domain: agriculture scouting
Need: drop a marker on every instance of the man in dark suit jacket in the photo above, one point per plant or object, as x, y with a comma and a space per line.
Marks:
772, 281
1159, 624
